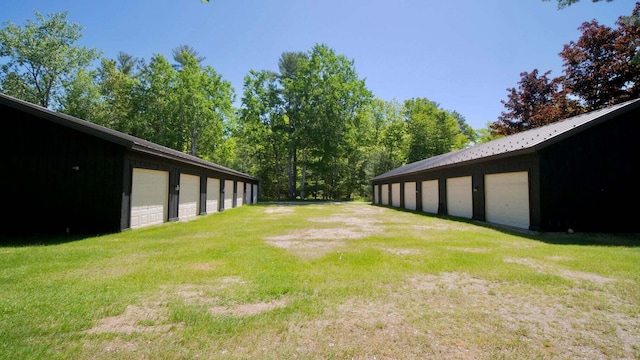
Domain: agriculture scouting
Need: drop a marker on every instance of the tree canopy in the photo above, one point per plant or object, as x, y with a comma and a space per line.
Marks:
41, 56
599, 69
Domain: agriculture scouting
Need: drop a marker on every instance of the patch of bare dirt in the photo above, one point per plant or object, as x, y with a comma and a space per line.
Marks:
208, 266
351, 223
554, 270
150, 317
279, 210
468, 249
400, 251
241, 310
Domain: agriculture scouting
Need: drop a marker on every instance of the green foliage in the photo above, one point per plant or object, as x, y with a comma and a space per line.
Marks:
305, 119
432, 131
42, 56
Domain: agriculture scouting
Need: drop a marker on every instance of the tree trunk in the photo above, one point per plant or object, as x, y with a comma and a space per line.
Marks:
304, 173
291, 173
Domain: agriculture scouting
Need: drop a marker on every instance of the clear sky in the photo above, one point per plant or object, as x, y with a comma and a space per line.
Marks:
462, 54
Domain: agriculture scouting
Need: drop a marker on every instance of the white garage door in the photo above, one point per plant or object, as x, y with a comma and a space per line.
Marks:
255, 193
507, 199
228, 194
410, 195
375, 194
149, 197
459, 197
189, 197
247, 195
385, 194
240, 194
395, 194
213, 195
430, 196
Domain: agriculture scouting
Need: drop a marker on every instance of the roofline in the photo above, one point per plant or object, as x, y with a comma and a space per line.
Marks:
128, 141
632, 105
69, 121
518, 152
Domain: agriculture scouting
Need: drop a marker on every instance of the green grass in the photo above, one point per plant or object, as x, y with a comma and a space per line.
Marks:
281, 281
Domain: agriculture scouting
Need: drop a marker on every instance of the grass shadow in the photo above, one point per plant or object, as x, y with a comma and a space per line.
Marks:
41, 240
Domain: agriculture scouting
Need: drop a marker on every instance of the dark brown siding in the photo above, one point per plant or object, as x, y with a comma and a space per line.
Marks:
59, 180
589, 182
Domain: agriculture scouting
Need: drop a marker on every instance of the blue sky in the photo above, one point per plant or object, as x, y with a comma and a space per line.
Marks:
462, 54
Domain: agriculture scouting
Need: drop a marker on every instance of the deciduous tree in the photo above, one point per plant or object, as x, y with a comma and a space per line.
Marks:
538, 100
41, 56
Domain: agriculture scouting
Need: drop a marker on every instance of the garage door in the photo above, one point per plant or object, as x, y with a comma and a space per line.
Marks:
375, 194
395, 194
247, 194
213, 195
149, 197
459, 198
255, 193
240, 193
385, 194
189, 197
410, 195
430, 197
228, 194
507, 199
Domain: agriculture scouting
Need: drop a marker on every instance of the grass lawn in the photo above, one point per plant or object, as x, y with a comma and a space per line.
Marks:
330, 281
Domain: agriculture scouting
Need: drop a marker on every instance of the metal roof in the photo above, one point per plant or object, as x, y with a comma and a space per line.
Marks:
130, 142
521, 143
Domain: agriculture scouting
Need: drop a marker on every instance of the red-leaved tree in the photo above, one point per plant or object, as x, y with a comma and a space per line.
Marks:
601, 68
538, 100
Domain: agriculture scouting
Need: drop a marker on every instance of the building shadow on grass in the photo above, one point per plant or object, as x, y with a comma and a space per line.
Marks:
41, 240
555, 238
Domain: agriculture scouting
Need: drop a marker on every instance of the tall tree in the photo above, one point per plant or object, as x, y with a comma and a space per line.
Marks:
289, 65
41, 57
332, 95
204, 103
183, 54
263, 129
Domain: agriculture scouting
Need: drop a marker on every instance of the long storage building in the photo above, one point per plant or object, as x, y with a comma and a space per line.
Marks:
579, 174
67, 175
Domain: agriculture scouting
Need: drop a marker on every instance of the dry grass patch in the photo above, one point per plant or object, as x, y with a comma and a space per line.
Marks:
352, 222
148, 317
241, 310
554, 270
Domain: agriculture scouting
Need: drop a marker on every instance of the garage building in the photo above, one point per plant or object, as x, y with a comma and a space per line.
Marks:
67, 175
580, 174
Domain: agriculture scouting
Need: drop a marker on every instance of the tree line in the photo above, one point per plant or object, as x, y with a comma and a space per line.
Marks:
311, 129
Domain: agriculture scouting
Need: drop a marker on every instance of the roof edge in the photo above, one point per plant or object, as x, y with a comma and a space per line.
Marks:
128, 141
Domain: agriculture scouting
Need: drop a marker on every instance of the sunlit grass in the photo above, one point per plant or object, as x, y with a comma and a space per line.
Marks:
217, 287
